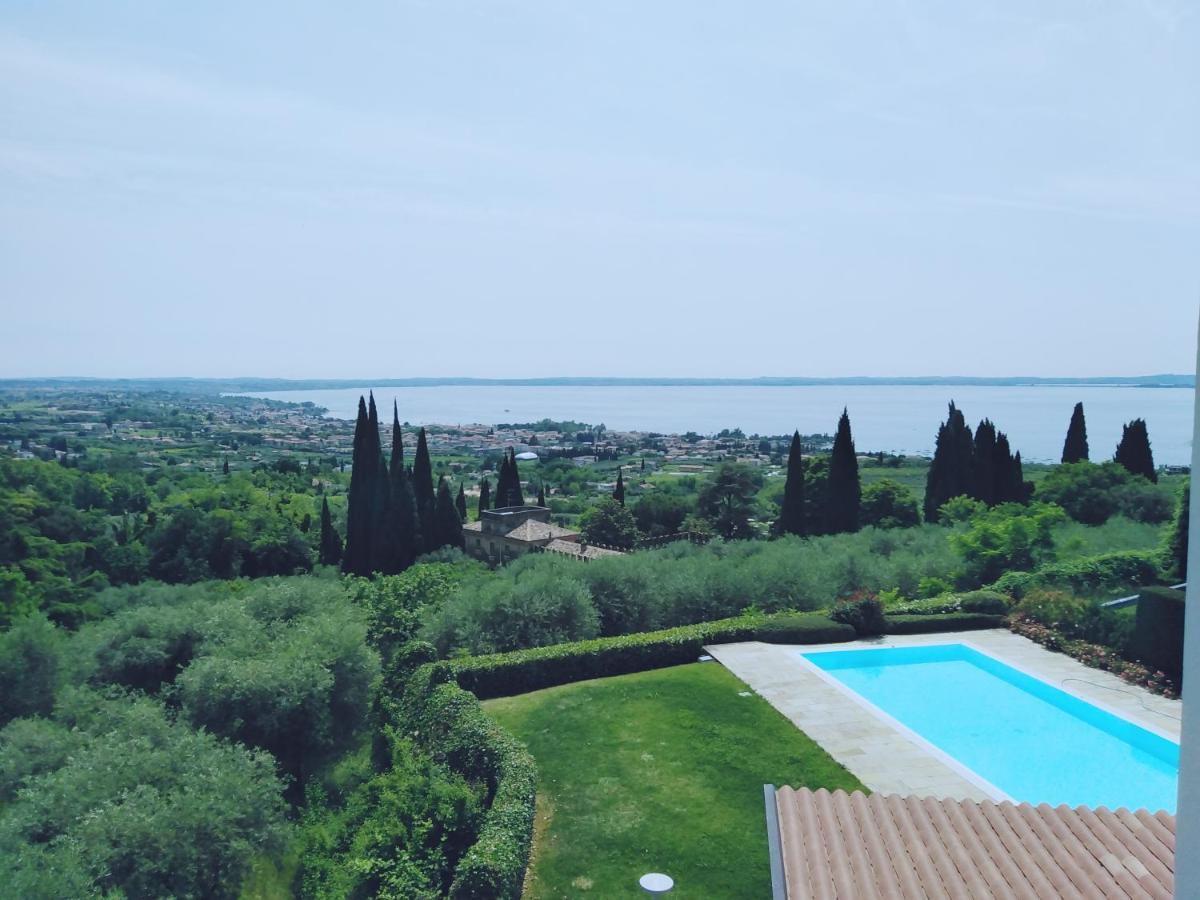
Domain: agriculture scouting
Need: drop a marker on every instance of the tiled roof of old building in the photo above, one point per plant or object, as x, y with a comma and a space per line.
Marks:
843, 845
532, 530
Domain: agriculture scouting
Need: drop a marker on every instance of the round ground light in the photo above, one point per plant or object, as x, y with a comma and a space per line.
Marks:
656, 883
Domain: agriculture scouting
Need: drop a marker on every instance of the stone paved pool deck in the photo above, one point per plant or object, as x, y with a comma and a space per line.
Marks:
885, 759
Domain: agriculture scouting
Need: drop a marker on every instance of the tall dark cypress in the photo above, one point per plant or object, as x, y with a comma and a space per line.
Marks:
460, 503
508, 485
1075, 447
1009, 486
356, 560
791, 514
1134, 450
983, 464
329, 553
951, 470
619, 490
447, 527
845, 491
422, 482
541, 500
485, 496
403, 527
380, 495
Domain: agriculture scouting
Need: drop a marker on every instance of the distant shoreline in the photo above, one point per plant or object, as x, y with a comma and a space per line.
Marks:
236, 385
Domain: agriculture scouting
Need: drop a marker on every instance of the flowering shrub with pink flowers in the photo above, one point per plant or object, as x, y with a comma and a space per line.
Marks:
1094, 655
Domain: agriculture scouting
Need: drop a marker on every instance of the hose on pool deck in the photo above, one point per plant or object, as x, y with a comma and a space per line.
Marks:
1157, 712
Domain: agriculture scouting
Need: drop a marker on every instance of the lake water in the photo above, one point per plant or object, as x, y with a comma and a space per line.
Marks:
893, 418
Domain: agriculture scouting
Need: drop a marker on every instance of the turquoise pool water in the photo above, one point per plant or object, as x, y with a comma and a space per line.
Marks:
1026, 737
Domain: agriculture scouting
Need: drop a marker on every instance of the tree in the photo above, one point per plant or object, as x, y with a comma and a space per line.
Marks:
1176, 556
619, 491
485, 496
426, 501
845, 491
329, 552
356, 560
983, 464
460, 503
508, 484
951, 470
381, 557
1006, 539
447, 526
609, 523
541, 497
791, 513
225, 466
728, 501
404, 533
1134, 450
659, 513
1075, 447
888, 504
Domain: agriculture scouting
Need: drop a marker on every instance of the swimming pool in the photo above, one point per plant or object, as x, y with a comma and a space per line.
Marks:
1015, 734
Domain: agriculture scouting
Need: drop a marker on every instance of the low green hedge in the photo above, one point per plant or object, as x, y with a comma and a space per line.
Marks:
1157, 640
927, 624
1088, 576
450, 723
521, 671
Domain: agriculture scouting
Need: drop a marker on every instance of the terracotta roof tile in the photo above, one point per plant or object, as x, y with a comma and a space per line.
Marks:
840, 846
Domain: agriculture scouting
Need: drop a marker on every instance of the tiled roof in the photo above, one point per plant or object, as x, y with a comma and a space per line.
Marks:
843, 845
532, 530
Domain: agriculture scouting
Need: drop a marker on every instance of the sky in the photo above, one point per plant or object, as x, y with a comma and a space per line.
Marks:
522, 189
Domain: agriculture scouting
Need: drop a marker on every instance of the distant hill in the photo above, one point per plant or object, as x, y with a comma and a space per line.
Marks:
207, 385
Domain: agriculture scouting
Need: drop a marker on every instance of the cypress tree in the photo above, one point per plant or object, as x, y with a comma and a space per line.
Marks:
951, 470
422, 483
1010, 487
508, 484
379, 495
460, 503
329, 552
983, 464
845, 491
515, 493
403, 527
791, 514
619, 491
485, 496
541, 500
1075, 447
447, 528
356, 560
1134, 450
225, 466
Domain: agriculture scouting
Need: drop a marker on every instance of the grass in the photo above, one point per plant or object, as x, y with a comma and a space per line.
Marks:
658, 771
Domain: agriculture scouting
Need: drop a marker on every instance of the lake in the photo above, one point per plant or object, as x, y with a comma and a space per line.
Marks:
893, 418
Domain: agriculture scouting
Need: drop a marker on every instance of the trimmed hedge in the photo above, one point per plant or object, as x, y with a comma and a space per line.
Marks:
928, 624
450, 723
1087, 576
521, 671
1158, 631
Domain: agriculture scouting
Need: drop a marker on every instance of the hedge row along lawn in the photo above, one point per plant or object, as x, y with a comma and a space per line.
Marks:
658, 771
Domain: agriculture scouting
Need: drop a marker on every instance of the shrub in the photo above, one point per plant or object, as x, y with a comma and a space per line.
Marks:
1104, 573
989, 602
888, 504
134, 804
1077, 618
503, 674
960, 621
863, 612
932, 586
1009, 537
1157, 639
449, 723
1093, 493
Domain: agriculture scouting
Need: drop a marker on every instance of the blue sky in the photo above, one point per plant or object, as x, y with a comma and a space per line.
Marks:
620, 188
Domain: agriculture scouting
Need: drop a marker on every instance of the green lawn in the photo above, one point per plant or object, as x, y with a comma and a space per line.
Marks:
658, 771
